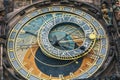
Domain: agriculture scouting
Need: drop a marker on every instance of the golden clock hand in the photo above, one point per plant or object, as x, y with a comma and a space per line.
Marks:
95, 36
76, 40
26, 46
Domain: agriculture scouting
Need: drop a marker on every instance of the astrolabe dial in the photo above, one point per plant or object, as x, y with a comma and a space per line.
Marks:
57, 42
65, 39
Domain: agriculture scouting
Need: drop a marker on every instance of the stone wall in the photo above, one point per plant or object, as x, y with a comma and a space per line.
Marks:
20, 3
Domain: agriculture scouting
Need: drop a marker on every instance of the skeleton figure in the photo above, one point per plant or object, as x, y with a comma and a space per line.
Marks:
116, 9
106, 14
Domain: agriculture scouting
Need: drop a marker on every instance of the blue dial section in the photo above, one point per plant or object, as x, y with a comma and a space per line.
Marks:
54, 66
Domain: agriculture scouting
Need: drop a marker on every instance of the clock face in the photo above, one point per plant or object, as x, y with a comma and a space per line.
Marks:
57, 42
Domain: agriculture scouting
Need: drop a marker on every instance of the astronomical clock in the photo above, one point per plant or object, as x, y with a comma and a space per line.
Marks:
56, 42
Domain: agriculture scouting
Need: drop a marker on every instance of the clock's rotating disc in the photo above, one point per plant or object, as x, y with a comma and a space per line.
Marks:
66, 38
